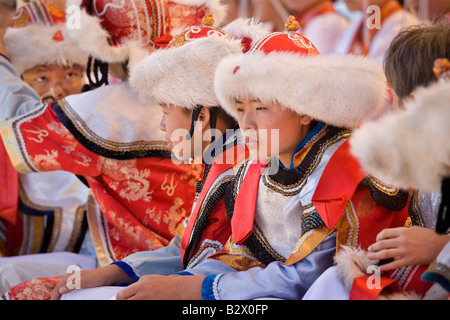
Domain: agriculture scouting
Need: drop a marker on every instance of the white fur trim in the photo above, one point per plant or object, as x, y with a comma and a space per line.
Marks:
33, 45
352, 263
339, 90
218, 10
409, 148
249, 28
183, 75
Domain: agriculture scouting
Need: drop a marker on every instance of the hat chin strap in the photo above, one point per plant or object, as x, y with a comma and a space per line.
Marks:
97, 68
443, 220
212, 120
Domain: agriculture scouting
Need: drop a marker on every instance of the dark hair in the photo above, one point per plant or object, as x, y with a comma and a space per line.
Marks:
9, 4
221, 114
186, 111
408, 62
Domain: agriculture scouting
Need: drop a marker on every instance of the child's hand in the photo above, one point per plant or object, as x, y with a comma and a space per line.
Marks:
407, 246
105, 276
157, 287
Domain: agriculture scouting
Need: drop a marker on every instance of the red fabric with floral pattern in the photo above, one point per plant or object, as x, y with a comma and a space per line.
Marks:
144, 200
35, 289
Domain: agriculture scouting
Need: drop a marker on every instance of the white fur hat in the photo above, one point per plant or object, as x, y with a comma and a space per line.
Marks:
183, 73
409, 148
128, 30
37, 37
339, 90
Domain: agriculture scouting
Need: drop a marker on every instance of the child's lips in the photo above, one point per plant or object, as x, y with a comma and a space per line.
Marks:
47, 98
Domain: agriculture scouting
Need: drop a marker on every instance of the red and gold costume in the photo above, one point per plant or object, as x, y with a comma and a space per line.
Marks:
287, 224
209, 226
141, 195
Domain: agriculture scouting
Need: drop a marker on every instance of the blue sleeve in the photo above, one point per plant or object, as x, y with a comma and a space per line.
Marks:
16, 97
163, 261
209, 287
277, 280
127, 268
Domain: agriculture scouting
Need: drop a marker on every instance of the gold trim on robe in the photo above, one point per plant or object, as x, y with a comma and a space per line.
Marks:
307, 243
9, 140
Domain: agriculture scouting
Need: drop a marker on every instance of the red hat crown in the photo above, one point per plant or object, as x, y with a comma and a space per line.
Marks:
41, 24
196, 32
286, 42
144, 21
37, 13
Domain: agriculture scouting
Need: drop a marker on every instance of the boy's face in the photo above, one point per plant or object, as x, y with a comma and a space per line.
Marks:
270, 130
55, 81
176, 122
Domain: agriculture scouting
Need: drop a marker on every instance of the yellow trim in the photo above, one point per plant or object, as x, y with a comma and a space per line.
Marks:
98, 233
237, 256
354, 225
296, 188
77, 224
385, 188
2, 247
9, 140
439, 269
308, 242
237, 262
347, 230
87, 133
36, 224
23, 249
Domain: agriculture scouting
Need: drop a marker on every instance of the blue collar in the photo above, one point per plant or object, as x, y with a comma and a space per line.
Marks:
302, 144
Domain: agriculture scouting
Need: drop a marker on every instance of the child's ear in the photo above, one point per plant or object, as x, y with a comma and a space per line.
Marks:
204, 117
305, 120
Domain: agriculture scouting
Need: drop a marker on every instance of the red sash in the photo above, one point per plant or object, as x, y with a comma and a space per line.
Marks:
360, 290
9, 187
412, 282
343, 174
244, 208
332, 194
